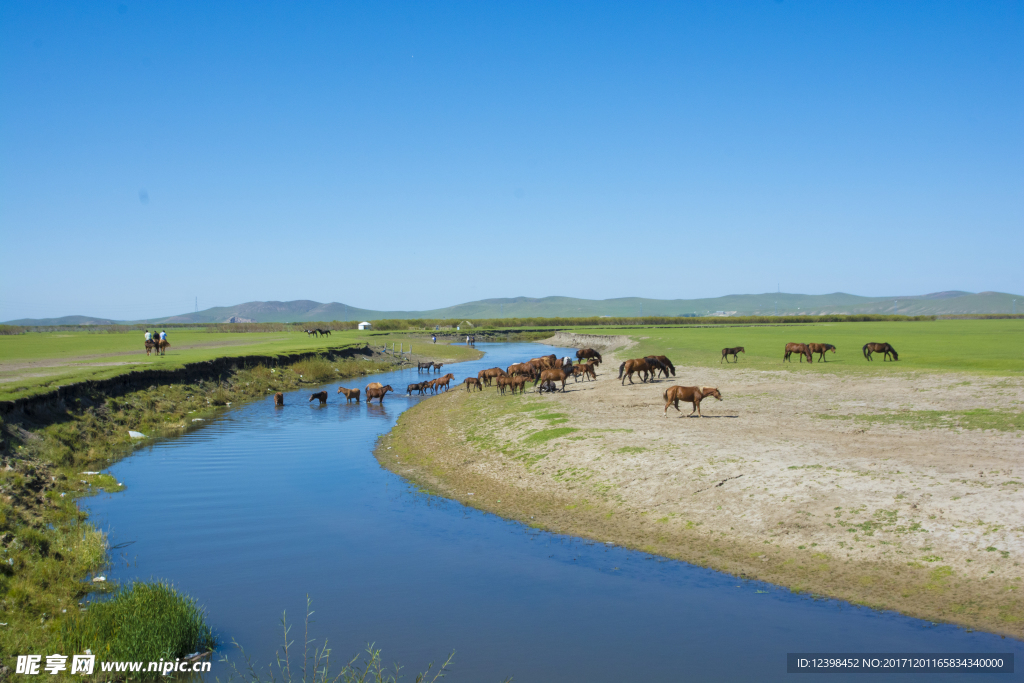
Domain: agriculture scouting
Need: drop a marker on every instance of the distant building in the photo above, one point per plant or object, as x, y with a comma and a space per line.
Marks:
238, 319
365, 326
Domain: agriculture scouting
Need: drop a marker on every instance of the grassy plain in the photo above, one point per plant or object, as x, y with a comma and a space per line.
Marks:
992, 347
36, 362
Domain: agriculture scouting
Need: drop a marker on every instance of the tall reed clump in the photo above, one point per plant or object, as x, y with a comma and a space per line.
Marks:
141, 622
317, 369
315, 666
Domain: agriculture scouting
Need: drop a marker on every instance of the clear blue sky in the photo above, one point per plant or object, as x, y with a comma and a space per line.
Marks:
417, 155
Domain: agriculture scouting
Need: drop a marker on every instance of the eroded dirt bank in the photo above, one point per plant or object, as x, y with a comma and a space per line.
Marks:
881, 491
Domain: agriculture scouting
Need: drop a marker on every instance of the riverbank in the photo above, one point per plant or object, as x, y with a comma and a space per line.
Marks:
52, 448
884, 492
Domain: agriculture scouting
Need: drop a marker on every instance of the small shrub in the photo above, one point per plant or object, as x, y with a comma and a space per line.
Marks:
316, 370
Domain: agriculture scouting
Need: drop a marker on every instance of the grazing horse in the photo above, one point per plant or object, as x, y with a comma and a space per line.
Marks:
278, 399
349, 394
799, 349
376, 393
488, 376
322, 396
694, 395
443, 381
644, 367
557, 375
471, 382
820, 349
885, 349
428, 366
589, 353
732, 352
667, 366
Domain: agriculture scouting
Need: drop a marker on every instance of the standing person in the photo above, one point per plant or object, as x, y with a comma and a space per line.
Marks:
434, 337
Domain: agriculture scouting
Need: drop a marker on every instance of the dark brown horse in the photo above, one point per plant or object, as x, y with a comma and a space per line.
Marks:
556, 375
799, 349
732, 351
150, 345
885, 349
471, 382
279, 399
437, 367
321, 396
376, 393
668, 367
644, 367
428, 366
694, 395
821, 349
588, 353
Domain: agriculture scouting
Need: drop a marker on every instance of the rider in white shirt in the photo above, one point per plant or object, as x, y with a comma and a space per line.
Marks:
149, 337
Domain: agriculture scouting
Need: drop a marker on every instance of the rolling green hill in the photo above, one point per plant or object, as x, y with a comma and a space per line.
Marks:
940, 303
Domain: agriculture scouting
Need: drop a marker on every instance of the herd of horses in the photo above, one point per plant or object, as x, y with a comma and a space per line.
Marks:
317, 332
548, 372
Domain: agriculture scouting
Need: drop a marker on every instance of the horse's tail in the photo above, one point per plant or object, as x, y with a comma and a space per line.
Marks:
864, 349
621, 369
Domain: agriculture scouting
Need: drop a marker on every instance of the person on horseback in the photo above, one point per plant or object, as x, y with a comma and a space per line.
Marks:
149, 337
163, 335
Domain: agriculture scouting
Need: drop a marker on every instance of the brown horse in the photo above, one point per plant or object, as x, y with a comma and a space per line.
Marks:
644, 367
557, 375
377, 393
322, 396
821, 349
488, 376
349, 394
374, 385
589, 353
503, 382
150, 345
694, 395
518, 383
666, 365
884, 348
428, 366
471, 382
732, 351
443, 381
437, 367
520, 369
279, 399
162, 346
419, 386
800, 349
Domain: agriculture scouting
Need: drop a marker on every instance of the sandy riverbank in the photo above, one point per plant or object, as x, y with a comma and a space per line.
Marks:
874, 490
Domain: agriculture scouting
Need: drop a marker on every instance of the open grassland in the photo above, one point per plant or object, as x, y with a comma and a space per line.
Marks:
979, 346
37, 362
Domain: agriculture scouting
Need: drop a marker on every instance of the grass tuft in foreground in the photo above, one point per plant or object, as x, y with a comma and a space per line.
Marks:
142, 621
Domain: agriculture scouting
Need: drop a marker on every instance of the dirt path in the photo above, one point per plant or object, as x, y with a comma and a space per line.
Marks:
873, 489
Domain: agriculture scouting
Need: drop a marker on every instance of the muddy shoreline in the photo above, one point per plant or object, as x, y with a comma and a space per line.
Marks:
784, 483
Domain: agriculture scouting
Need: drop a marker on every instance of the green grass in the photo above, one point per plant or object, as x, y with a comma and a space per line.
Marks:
980, 346
979, 418
40, 361
141, 621
547, 435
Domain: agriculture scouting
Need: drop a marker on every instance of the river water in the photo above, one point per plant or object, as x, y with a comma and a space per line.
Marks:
263, 506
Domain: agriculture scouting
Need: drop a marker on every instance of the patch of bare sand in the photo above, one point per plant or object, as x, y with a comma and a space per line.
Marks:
782, 481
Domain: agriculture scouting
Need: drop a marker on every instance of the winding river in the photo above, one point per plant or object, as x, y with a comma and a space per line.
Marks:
263, 506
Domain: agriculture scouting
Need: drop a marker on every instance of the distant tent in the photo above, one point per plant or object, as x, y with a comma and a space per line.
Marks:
365, 326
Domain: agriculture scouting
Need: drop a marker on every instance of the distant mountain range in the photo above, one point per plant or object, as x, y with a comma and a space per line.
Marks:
939, 303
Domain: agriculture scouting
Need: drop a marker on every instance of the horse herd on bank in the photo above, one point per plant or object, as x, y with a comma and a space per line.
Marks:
550, 373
